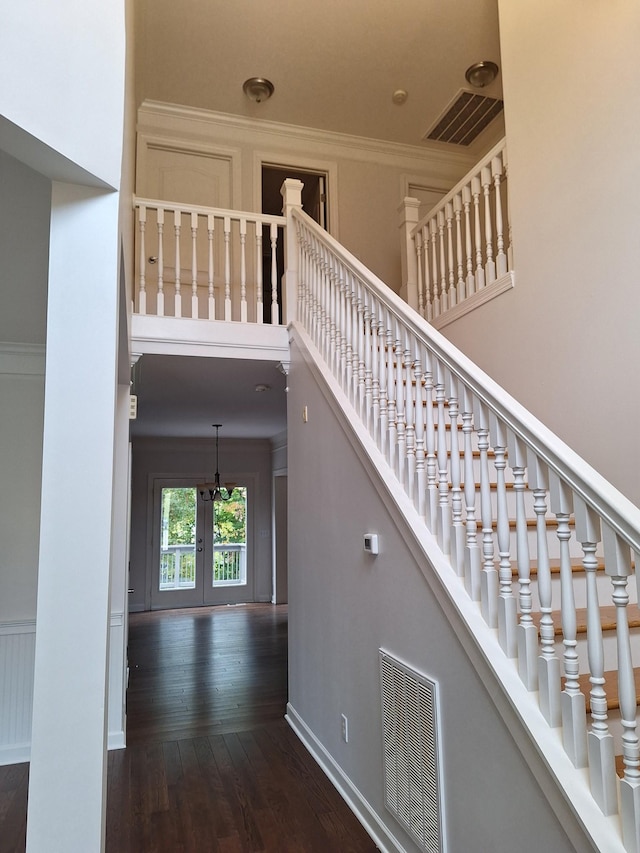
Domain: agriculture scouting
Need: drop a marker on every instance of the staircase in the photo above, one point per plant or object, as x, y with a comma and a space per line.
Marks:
544, 546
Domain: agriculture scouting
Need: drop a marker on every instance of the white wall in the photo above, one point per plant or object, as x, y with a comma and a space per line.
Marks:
345, 605
65, 61
368, 179
564, 341
192, 457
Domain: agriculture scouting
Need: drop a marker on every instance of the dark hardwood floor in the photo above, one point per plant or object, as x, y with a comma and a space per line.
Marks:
211, 765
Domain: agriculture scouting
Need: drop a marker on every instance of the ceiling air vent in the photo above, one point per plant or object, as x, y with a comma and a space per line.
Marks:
465, 118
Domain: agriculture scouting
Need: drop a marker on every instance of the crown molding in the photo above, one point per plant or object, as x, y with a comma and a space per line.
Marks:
151, 113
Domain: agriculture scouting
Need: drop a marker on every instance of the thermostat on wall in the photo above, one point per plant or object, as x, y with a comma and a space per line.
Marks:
371, 543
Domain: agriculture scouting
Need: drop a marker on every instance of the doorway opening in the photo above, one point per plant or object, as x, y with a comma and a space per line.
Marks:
201, 549
314, 203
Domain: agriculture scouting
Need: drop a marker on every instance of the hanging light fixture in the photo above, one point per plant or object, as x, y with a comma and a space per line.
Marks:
213, 491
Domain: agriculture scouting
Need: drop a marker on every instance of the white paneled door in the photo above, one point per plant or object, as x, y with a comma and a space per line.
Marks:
199, 548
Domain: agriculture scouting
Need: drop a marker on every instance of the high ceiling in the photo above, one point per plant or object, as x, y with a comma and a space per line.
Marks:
335, 65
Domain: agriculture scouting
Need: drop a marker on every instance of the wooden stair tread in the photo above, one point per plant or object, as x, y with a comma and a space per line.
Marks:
554, 567
610, 688
607, 619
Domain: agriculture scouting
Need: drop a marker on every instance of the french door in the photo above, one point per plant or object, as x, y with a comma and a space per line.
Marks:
201, 553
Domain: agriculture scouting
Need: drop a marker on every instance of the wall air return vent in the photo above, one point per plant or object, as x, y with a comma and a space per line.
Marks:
464, 119
412, 764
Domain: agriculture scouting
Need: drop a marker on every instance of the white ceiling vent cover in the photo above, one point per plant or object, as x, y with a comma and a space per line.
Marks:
412, 765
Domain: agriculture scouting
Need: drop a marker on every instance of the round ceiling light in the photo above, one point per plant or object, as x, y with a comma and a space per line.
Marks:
480, 74
258, 89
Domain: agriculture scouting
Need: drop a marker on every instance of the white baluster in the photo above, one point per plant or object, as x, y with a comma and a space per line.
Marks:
428, 295
457, 526
617, 565
410, 416
160, 294
392, 356
466, 203
602, 768
451, 289
549, 674
360, 343
401, 418
505, 163
489, 577
368, 355
472, 560
343, 329
574, 726
444, 505
490, 266
211, 292
432, 467
527, 633
433, 230
243, 270
419, 429
507, 609
417, 241
460, 285
444, 295
273, 235
479, 270
259, 261
177, 221
374, 419
501, 258
227, 268
194, 265
384, 373
142, 291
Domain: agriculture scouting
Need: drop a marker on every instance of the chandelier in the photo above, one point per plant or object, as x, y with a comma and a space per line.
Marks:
213, 491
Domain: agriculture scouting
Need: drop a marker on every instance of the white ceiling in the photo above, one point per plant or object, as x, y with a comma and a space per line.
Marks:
183, 396
335, 65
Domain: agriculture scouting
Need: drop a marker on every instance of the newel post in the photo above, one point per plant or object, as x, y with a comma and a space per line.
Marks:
408, 212
291, 191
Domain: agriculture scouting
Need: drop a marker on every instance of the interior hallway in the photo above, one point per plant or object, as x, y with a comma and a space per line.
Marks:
211, 764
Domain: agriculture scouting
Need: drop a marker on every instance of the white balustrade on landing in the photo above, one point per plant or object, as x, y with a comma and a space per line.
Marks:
415, 393
231, 263
459, 254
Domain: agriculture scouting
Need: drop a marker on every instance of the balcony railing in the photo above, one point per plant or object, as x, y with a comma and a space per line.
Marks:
459, 255
208, 263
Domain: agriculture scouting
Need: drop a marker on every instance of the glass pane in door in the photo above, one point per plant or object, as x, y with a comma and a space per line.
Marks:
178, 539
230, 540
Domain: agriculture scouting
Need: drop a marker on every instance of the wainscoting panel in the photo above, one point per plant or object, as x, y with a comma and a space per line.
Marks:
17, 655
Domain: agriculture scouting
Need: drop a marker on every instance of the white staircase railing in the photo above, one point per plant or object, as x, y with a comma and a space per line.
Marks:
459, 254
207, 263
508, 502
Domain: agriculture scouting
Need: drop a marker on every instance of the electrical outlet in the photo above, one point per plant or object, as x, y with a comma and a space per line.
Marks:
345, 728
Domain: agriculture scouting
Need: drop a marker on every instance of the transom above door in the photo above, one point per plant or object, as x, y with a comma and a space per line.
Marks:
201, 552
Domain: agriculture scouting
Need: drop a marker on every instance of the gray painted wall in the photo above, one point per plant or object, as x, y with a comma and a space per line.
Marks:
345, 605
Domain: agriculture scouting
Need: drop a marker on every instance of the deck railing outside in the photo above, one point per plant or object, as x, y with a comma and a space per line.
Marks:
178, 566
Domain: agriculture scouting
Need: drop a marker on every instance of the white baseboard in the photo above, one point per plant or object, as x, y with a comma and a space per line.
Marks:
15, 754
369, 819
116, 740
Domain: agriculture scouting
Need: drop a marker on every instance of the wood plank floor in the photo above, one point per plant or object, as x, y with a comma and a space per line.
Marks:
211, 764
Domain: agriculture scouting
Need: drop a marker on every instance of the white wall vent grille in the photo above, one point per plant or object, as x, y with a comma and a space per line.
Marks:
412, 766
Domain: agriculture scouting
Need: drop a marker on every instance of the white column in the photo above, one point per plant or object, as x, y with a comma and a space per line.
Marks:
408, 213
68, 756
292, 197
